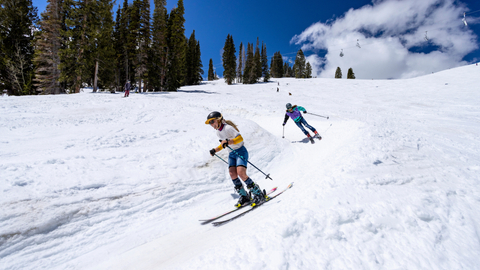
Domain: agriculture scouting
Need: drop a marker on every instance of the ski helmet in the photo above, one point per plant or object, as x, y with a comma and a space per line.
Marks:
289, 106
212, 116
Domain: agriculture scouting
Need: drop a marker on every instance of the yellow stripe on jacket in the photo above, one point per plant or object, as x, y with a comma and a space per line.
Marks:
235, 140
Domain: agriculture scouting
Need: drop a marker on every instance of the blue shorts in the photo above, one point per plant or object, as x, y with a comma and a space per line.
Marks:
234, 160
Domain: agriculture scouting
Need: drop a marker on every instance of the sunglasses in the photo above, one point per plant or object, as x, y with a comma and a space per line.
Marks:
211, 121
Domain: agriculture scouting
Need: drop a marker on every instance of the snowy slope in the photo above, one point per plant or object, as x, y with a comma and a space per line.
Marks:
96, 181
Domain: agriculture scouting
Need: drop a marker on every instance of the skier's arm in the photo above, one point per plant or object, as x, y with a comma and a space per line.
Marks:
235, 140
286, 119
300, 108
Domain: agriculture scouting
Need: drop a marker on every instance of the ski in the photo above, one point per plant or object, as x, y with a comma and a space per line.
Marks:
219, 223
206, 221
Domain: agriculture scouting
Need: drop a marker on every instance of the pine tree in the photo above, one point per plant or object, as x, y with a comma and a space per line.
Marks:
47, 52
299, 66
273, 66
258, 62
308, 71
143, 42
276, 66
120, 45
287, 70
198, 72
69, 52
17, 27
176, 47
350, 74
102, 40
249, 74
265, 72
193, 71
211, 74
241, 56
338, 73
188, 58
159, 50
247, 67
74, 55
88, 52
133, 37
84, 18
229, 60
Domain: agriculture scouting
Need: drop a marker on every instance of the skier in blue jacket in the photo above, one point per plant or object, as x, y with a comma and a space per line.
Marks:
294, 113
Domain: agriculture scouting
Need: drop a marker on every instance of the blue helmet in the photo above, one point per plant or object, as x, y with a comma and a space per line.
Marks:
289, 106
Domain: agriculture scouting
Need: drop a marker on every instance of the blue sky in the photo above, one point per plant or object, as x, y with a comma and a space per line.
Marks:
391, 34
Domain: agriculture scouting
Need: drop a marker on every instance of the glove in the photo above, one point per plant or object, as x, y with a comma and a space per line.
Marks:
305, 112
225, 144
212, 152
283, 124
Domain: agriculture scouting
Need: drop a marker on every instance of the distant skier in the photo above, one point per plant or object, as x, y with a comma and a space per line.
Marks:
127, 89
230, 136
294, 113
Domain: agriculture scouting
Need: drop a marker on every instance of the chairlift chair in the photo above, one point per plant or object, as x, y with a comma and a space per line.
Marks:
341, 53
464, 20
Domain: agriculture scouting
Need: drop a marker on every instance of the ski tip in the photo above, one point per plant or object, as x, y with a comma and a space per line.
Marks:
205, 222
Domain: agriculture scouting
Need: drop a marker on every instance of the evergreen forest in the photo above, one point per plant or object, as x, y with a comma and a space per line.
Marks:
78, 43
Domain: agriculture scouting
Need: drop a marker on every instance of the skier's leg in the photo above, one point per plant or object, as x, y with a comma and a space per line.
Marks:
232, 169
258, 194
307, 125
311, 128
299, 124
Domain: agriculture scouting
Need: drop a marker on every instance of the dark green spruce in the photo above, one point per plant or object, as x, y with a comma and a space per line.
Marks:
18, 20
229, 60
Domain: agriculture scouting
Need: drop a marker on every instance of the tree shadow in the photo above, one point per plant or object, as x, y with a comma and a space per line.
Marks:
196, 92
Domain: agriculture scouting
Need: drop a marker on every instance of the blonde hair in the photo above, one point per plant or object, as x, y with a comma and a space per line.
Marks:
231, 124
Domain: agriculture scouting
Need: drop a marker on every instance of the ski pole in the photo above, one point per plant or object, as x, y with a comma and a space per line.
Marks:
221, 158
267, 175
319, 115
283, 134
327, 128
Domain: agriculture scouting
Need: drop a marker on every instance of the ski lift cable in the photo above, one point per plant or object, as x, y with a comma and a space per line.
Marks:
371, 41
363, 44
467, 13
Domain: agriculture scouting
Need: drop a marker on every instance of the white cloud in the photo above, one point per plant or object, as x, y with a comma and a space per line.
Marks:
391, 35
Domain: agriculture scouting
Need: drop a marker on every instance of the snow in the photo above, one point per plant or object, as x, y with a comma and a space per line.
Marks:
97, 181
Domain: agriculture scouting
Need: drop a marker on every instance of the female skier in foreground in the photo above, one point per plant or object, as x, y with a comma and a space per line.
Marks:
230, 136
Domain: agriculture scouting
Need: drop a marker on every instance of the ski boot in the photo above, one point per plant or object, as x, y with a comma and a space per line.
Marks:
317, 136
259, 196
244, 197
311, 139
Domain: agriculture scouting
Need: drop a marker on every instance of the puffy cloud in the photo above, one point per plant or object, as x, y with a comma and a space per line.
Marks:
391, 35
